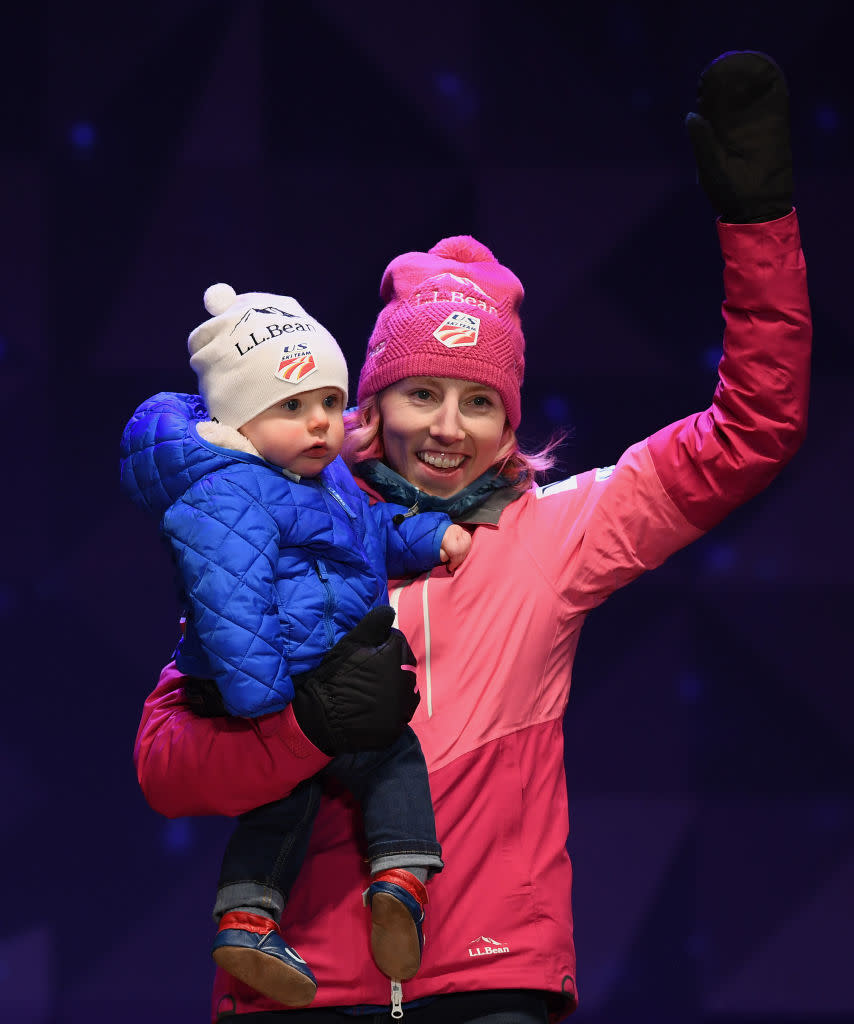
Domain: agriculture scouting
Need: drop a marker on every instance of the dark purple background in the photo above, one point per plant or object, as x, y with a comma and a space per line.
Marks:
148, 150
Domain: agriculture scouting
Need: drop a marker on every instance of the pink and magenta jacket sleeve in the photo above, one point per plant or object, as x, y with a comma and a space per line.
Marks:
192, 765
714, 461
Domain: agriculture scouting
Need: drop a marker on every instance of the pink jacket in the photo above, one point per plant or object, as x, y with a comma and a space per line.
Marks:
495, 646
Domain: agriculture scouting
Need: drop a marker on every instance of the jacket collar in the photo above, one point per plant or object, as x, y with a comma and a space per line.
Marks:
482, 501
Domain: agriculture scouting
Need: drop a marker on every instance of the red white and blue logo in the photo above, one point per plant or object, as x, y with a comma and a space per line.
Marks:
296, 362
458, 329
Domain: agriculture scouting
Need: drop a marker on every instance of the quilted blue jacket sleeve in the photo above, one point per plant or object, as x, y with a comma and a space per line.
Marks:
412, 545
225, 545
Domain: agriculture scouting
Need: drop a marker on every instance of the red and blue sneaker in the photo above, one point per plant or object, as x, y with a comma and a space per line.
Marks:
396, 898
251, 949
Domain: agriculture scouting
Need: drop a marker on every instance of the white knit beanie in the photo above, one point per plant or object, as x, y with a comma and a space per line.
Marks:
259, 349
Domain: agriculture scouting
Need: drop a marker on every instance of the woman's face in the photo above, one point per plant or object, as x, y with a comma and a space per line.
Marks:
442, 433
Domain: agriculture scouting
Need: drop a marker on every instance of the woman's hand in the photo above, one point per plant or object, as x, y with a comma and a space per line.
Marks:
362, 694
360, 697
740, 136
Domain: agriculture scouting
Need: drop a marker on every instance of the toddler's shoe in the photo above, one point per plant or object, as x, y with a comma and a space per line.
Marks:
396, 899
250, 948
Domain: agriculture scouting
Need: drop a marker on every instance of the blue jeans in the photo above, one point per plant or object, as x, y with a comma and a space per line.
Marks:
268, 846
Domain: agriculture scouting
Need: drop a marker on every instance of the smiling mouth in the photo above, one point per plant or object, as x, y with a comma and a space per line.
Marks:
440, 460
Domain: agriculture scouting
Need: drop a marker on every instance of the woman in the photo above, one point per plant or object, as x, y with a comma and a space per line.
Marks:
438, 410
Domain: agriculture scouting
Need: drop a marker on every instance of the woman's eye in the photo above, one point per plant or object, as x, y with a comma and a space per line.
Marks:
422, 394
481, 401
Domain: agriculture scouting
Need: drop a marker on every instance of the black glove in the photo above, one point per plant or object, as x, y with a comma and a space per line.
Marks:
359, 697
740, 137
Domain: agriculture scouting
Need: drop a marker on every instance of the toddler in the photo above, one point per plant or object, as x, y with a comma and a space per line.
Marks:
279, 554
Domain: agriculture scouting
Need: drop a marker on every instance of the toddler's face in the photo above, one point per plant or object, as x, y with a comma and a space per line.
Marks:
303, 433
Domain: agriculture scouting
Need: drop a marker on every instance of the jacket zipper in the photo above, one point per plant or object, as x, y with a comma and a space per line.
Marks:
339, 499
398, 519
328, 601
396, 1000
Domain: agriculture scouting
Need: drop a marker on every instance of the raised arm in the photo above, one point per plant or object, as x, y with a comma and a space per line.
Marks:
667, 490
714, 461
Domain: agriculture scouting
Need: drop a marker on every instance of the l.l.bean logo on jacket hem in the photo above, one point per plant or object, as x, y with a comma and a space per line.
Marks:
484, 946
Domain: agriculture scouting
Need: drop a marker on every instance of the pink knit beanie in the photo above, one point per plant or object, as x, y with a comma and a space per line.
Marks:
450, 312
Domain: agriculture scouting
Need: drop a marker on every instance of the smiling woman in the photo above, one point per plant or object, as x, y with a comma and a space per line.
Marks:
442, 433
365, 437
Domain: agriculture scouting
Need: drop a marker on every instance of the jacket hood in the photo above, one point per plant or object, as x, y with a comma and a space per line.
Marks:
162, 453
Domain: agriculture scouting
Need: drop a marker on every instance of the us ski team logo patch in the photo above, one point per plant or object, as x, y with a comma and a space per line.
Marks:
296, 363
458, 329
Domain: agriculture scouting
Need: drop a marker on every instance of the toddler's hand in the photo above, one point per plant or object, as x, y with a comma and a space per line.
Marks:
455, 546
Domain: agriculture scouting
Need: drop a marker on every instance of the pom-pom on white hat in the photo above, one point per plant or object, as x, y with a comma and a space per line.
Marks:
258, 349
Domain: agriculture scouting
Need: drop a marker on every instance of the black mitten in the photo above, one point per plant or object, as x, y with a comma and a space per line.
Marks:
740, 136
359, 697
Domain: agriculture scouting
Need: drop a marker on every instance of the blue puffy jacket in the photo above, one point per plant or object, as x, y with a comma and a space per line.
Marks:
273, 571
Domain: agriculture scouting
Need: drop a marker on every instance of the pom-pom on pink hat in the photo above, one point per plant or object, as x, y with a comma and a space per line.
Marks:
450, 312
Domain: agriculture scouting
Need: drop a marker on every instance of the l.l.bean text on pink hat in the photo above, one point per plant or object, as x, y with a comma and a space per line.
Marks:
424, 298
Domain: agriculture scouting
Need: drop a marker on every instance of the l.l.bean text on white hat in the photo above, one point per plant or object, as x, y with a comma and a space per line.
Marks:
274, 331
